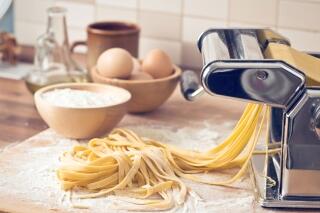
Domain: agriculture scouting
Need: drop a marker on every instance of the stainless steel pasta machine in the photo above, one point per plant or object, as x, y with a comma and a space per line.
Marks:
236, 66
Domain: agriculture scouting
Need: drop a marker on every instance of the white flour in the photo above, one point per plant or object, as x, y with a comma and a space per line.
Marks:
79, 98
28, 172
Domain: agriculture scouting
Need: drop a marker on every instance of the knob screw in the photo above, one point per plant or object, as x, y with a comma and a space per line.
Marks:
262, 75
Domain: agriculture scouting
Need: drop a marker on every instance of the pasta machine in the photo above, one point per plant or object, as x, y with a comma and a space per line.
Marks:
243, 64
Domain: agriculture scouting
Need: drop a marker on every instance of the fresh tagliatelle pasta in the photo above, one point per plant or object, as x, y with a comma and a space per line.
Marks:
126, 164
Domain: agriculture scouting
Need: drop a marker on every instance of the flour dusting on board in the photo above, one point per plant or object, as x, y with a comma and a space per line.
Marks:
188, 138
28, 173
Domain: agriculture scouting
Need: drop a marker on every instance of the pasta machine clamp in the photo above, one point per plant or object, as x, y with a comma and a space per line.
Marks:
235, 66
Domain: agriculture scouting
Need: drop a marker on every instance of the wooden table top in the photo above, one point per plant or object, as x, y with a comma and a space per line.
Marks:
19, 118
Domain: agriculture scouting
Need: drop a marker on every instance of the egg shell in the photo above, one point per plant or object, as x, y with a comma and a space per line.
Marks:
158, 64
141, 76
115, 63
137, 68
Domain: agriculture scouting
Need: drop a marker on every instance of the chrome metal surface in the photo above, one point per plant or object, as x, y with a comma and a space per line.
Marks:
269, 196
246, 44
225, 44
241, 72
234, 66
242, 80
301, 138
214, 46
190, 85
301, 155
316, 118
197, 93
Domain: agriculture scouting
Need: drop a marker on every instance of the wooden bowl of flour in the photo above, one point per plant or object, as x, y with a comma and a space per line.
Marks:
82, 110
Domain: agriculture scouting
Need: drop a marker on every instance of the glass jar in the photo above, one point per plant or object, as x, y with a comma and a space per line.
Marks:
53, 62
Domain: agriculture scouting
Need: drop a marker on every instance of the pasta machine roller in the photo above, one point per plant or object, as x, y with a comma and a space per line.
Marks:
236, 65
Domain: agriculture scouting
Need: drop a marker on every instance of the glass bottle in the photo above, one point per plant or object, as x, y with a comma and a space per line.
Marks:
52, 62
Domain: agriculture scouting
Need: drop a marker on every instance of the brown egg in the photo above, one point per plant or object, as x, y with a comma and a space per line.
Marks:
115, 63
157, 63
140, 76
136, 66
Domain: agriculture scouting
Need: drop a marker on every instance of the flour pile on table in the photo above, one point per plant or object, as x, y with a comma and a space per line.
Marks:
79, 98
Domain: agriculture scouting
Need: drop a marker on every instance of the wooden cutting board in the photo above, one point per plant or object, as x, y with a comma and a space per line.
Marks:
28, 182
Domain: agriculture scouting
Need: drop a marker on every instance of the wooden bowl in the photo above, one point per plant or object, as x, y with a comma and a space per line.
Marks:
81, 123
147, 95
